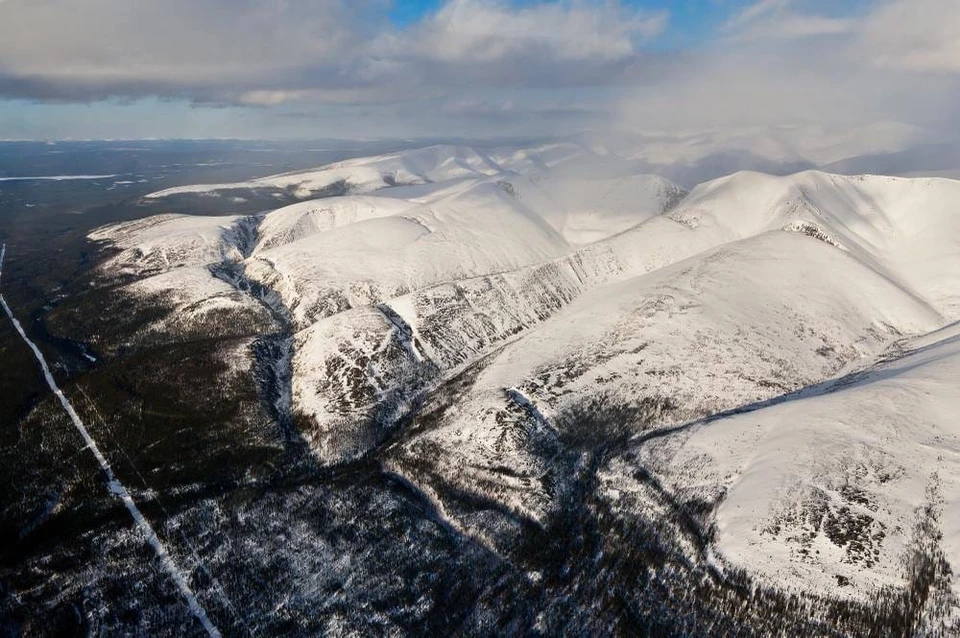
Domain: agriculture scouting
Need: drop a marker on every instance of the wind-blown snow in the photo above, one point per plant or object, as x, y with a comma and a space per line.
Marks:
589, 210
810, 144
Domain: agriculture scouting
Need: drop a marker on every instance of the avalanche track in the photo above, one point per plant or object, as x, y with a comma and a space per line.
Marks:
113, 483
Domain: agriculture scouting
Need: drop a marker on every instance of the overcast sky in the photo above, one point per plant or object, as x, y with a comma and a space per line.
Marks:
409, 68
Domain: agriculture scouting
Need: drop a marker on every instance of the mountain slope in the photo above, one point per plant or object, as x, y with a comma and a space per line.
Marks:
618, 409
822, 489
419, 166
481, 227
730, 327
468, 264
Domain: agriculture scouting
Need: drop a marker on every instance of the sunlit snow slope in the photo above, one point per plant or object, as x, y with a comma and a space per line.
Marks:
466, 307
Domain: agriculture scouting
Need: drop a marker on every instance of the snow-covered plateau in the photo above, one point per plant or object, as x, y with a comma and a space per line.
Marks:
764, 371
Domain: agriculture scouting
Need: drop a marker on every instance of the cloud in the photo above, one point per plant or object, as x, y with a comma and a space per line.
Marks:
510, 110
778, 20
475, 108
914, 35
905, 35
781, 62
756, 11
258, 53
500, 64
175, 42
483, 31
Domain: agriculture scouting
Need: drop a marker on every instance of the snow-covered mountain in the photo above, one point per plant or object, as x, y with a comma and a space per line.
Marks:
493, 326
420, 166
823, 487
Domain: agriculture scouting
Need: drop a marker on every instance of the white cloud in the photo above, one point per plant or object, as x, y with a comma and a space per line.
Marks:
756, 11
483, 30
778, 20
914, 35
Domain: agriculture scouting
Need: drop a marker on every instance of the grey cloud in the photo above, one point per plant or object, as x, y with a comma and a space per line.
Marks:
495, 62
510, 109
340, 51
785, 64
